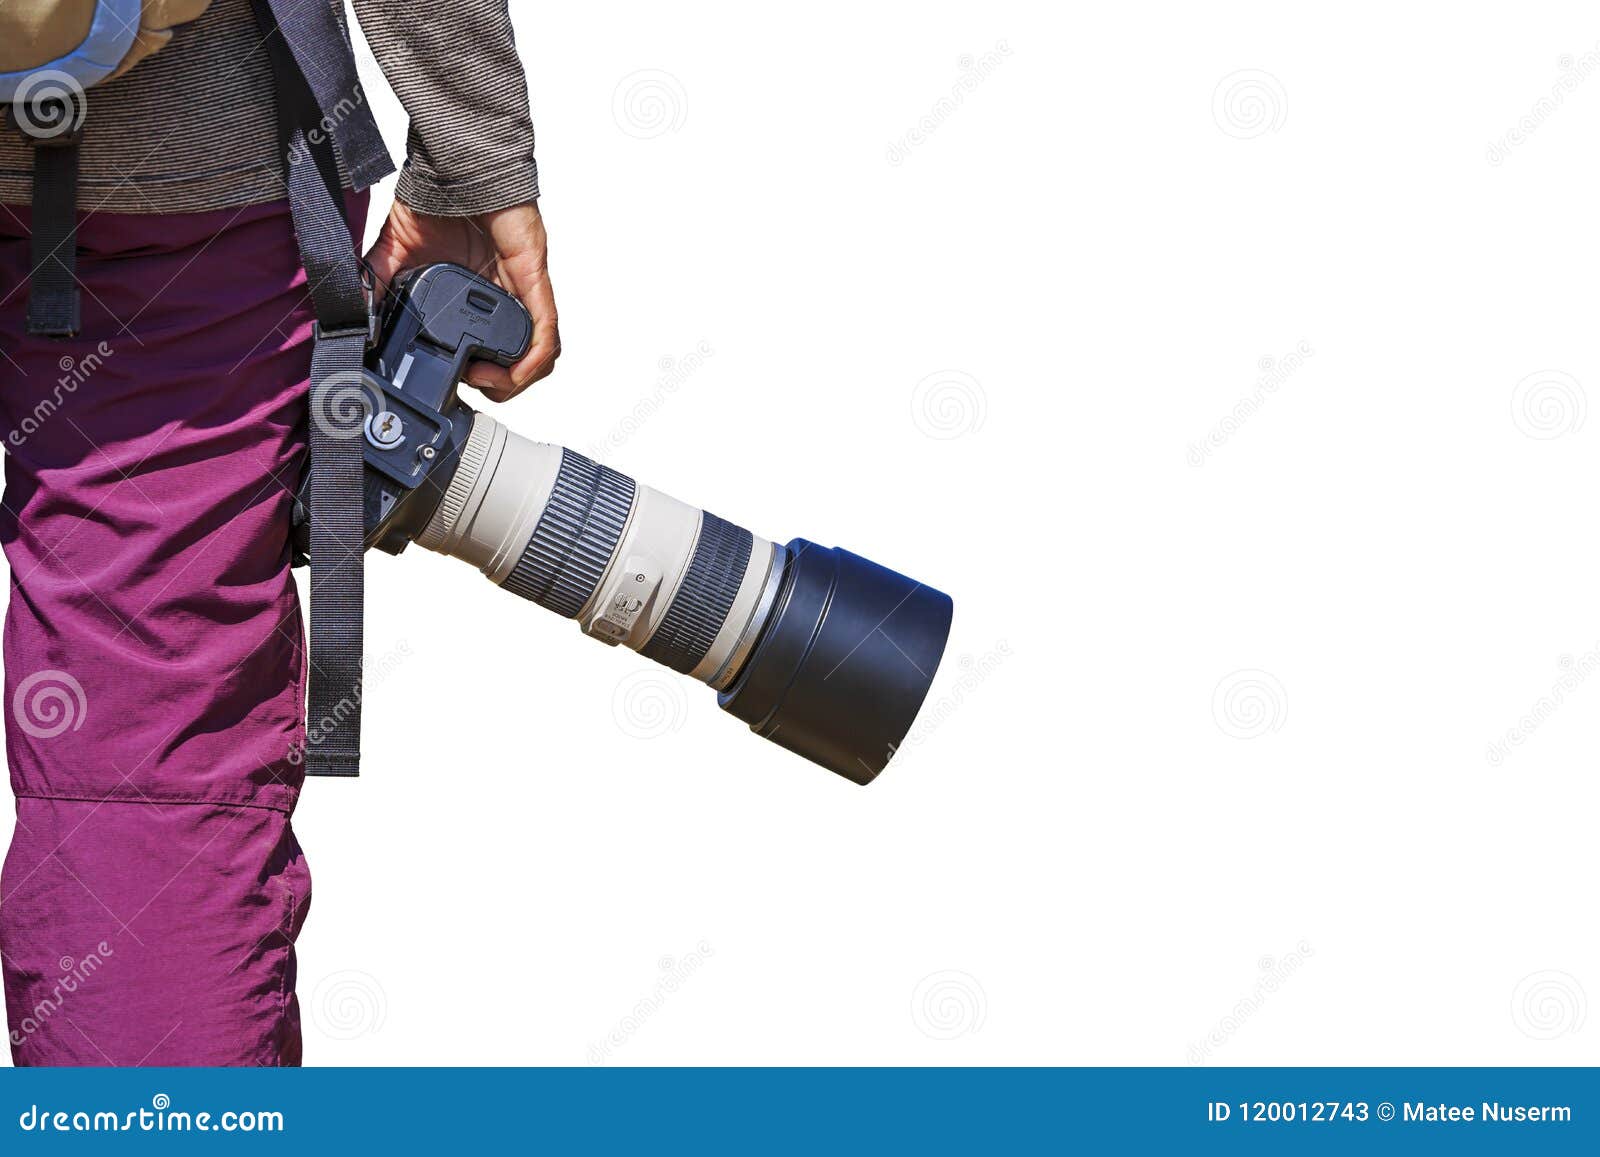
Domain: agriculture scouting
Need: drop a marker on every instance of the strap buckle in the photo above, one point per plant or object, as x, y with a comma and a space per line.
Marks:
52, 121
368, 332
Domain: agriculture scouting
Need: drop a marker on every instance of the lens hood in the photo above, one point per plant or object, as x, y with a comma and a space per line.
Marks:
845, 661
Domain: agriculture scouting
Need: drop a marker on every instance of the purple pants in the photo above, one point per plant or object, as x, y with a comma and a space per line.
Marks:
154, 661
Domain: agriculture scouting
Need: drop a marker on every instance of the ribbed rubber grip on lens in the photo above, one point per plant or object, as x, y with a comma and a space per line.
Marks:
708, 589
572, 545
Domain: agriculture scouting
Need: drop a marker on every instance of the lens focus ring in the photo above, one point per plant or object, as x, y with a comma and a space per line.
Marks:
701, 605
571, 547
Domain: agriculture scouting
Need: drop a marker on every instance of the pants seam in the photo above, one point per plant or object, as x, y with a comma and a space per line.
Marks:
283, 980
147, 798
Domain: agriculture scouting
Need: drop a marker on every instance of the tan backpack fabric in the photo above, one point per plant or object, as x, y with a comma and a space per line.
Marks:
90, 40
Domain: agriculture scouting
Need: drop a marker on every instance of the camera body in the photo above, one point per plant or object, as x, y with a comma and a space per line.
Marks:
412, 422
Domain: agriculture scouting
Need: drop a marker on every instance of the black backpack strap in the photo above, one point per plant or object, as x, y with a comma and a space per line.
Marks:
313, 70
53, 127
53, 304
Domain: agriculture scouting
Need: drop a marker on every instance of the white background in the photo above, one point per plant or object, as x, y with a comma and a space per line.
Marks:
1230, 369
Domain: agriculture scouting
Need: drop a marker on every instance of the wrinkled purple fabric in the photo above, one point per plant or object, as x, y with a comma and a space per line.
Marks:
154, 663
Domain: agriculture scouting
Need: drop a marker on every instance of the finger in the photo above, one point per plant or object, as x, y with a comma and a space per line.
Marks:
541, 357
495, 381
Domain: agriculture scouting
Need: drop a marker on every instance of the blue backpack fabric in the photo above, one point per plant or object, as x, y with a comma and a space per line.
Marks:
113, 29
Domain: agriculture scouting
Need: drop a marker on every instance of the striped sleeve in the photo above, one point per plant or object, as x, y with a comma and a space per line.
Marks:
454, 66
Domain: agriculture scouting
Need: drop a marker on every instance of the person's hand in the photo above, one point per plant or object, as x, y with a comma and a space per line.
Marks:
508, 247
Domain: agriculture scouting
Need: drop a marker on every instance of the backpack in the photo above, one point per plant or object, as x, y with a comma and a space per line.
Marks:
82, 42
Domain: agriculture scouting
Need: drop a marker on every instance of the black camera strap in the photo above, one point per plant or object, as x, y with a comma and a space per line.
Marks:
320, 106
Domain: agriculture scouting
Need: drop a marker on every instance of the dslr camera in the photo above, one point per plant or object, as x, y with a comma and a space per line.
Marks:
819, 650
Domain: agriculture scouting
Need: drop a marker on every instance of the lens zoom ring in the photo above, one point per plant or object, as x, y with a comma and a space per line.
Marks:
701, 605
572, 545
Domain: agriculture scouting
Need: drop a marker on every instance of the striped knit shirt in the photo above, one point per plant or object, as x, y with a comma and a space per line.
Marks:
194, 126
